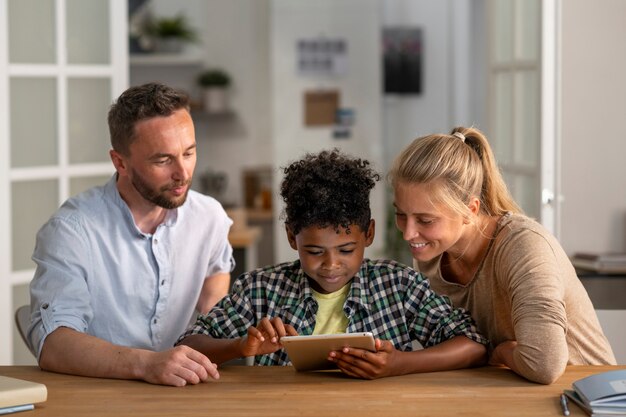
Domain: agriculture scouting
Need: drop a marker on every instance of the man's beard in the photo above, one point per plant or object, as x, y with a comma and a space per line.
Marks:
158, 196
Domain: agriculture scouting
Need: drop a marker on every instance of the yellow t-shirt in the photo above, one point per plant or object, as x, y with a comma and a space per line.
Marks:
330, 317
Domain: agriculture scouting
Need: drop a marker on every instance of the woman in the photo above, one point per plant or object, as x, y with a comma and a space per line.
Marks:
477, 247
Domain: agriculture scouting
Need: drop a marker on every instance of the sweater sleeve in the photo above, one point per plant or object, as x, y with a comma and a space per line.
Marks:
527, 267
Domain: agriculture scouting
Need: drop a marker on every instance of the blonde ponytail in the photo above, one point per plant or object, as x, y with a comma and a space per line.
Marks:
459, 166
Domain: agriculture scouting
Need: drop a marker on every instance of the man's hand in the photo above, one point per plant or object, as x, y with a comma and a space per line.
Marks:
178, 366
68, 351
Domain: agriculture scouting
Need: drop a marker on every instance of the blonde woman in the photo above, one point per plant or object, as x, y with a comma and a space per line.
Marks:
470, 238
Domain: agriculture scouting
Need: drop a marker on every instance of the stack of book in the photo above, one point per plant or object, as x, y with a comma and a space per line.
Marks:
601, 395
605, 263
19, 395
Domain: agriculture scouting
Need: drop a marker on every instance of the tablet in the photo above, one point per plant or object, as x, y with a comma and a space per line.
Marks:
309, 353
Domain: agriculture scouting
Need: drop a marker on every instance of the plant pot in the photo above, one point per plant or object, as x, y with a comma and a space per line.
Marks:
169, 45
216, 100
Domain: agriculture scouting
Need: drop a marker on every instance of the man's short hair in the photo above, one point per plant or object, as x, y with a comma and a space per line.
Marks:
140, 103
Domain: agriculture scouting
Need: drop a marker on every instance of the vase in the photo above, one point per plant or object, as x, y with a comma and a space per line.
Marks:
169, 45
215, 100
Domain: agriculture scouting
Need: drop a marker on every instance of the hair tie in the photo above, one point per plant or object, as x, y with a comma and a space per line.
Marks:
460, 136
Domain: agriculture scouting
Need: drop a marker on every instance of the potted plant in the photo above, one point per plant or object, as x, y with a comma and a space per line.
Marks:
215, 83
171, 33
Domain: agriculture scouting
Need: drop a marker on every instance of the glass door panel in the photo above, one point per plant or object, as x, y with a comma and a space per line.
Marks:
527, 129
515, 107
32, 31
503, 19
61, 62
502, 141
88, 32
32, 204
526, 194
88, 104
529, 29
33, 135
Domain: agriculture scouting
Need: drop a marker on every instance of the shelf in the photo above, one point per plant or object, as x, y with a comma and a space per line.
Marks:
165, 59
198, 114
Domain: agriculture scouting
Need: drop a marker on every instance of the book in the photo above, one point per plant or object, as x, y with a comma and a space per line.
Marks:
597, 411
609, 257
19, 395
602, 394
607, 263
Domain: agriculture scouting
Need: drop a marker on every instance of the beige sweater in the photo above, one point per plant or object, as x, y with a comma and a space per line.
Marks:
527, 290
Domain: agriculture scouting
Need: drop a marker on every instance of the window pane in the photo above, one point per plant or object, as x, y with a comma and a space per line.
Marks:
529, 29
88, 104
32, 31
503, 36
502, 140
33, 104
80, 184
88, 32
527, 129
527, 195
32, 204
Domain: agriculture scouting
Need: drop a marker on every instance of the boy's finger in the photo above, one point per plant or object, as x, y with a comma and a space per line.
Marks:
266, 326
279, 326
291, 331
254, 333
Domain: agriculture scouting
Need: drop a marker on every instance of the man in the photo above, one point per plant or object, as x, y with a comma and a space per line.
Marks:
121, 267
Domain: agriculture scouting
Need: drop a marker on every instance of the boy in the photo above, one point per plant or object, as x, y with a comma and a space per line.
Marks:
333, 289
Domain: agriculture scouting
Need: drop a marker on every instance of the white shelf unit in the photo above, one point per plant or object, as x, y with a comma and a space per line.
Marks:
165, 60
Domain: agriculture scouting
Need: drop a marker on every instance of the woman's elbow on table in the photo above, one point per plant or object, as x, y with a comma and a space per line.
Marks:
542, 369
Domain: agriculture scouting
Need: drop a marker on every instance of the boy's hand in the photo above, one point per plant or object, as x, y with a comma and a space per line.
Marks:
503, 355
265, 337
360, 363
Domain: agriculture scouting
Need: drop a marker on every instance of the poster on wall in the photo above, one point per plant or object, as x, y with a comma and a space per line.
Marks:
402, 60
322, 56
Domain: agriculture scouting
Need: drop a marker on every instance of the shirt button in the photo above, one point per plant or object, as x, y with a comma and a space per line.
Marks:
154, 321
163, 282
45, 306
156, 241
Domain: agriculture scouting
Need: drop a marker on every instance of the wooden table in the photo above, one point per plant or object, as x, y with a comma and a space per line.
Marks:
280, 391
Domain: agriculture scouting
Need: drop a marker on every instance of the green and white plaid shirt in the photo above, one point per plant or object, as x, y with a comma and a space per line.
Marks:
389, 299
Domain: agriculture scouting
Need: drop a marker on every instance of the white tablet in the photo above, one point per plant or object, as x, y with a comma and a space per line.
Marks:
308, 353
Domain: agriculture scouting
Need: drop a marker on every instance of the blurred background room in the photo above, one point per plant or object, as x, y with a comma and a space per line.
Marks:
272, 79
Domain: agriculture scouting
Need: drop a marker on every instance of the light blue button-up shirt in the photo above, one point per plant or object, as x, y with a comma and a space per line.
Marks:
97, 273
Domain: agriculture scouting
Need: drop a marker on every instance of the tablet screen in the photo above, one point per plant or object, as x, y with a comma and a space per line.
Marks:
309, 353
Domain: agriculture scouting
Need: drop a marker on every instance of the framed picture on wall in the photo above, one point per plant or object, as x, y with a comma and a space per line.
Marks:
402, 60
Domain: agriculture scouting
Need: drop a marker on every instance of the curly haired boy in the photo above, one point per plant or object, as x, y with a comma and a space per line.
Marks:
331, 288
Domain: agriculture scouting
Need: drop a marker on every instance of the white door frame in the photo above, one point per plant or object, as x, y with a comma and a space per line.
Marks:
550, 116
116, 70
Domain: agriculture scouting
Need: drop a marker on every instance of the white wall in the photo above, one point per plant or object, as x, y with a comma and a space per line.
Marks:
593, 173
358, 22
454, 83
234, 36
594, 138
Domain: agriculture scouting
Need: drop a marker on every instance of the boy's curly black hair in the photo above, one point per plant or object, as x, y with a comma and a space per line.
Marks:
328, 189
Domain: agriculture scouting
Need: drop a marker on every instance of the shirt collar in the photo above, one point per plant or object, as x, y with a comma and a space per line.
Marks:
111, 191
358, 296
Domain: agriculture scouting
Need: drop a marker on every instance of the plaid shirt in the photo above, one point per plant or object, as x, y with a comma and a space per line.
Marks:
391, 300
